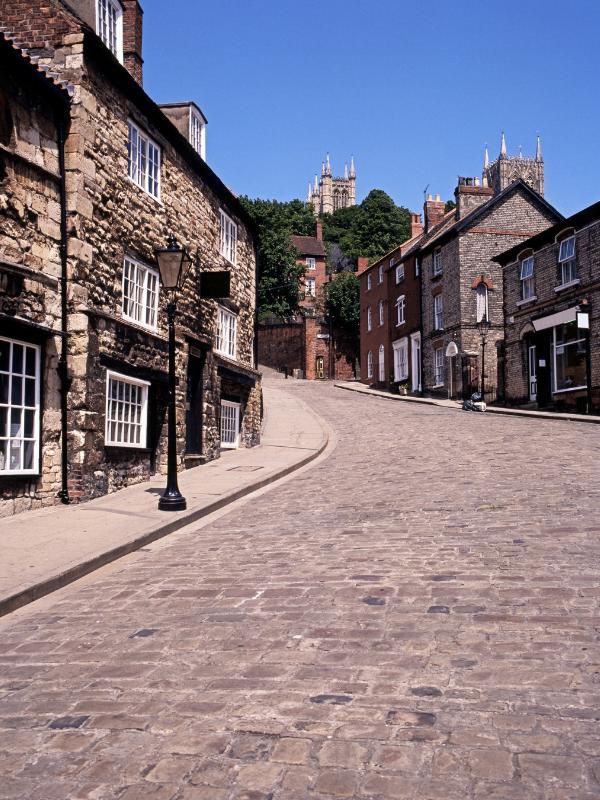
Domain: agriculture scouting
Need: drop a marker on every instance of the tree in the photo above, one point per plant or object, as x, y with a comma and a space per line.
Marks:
342, 302
370, 229
450, 206
278, 272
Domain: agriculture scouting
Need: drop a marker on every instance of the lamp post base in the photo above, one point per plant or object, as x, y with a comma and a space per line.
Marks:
172, 501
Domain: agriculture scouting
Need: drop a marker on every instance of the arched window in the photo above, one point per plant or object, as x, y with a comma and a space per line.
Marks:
482, 302
369, 364
369, 319
381, 315
381, 363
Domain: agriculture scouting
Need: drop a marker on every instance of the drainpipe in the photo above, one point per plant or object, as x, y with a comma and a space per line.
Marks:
63, 371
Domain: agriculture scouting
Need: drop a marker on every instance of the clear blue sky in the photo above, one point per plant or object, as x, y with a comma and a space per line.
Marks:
413, 89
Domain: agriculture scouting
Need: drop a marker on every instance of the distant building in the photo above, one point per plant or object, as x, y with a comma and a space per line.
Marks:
328, 194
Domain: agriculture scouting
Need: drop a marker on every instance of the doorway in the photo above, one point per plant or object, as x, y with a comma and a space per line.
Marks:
532, 373
320, 367
194, 399
415, 367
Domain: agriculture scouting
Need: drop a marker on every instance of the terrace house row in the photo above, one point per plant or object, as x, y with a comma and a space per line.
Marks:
93, 177
459, 282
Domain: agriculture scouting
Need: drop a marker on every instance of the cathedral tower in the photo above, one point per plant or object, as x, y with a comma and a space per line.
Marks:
507, 169
330, 193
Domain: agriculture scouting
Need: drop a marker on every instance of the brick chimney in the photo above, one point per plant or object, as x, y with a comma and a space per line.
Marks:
319, 230
362, 264
132, 38
433, 211
416, 226
469, 194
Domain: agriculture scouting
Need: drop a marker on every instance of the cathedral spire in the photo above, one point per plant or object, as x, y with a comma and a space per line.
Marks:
322, 168
538, 149
309, 196
316, 188
486, 157
503, 146
352, 169
327, 166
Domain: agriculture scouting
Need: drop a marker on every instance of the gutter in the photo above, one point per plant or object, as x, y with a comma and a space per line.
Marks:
63, 369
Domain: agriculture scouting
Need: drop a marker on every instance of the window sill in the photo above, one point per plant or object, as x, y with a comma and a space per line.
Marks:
20, 475
134, 323
527, 300
564, 286
145, 191
438, 386
436, 275
400, 324
137, 448
233, 263
572, 389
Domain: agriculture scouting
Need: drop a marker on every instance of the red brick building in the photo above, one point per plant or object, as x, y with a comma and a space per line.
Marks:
390, 317
308, 346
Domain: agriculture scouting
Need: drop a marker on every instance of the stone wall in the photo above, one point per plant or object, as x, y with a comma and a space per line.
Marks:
30, 259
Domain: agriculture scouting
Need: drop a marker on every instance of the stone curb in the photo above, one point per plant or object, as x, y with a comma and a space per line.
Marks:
52, 584
453, 405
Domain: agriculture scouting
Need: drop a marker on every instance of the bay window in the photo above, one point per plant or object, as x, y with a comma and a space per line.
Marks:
569, 347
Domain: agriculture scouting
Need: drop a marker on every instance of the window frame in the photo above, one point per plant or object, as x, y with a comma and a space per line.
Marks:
112, 375
581, 340
311, 262
438, 367
310, 287
438, 313
400, 307
227, 242
24, 407
148, 180
380, 274
381, 313
381, 365
400, 274
140, 265
369, 319
118, 51
438, 267
400, 347
236, 407
225, 335
567, 263
527, 280
369, 282
197, 133
481, 291
370, 364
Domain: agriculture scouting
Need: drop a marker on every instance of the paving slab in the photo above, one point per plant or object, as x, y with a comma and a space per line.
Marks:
42, 550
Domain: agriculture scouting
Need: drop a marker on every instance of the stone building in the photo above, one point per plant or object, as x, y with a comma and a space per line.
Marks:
308, 346
329, 193
132, 177
461, 284
552, 316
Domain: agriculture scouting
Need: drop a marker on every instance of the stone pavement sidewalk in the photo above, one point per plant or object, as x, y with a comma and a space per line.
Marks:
41, 551
355, 386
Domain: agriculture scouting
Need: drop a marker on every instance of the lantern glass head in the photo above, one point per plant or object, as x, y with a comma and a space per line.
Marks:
173, 264
483, 325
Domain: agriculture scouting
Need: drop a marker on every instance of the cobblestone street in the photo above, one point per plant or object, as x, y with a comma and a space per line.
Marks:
414, 616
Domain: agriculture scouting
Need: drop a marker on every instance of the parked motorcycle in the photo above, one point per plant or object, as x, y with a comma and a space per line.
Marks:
474, 403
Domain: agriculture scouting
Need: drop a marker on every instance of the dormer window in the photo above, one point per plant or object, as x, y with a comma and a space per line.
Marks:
109, 26
198, 133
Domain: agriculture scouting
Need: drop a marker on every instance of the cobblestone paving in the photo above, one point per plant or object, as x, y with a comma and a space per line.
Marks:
414, 617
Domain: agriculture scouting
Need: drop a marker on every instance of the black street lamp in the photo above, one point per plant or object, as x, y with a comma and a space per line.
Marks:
173, 265
483, 326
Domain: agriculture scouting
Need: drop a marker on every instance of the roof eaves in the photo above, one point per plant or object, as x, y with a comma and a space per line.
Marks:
41, 72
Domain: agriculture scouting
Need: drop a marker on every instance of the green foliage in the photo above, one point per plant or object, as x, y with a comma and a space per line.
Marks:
342, 301
370, 229
278, 273
450, 206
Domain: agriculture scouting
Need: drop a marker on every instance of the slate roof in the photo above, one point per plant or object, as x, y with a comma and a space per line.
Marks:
309, 246
42, 72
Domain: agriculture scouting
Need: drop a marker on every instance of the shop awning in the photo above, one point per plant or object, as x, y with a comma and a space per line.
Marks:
560, 318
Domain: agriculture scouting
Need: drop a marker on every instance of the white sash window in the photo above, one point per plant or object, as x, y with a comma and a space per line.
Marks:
140, 293
230, 424
19, 407
126, 411
143, 160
